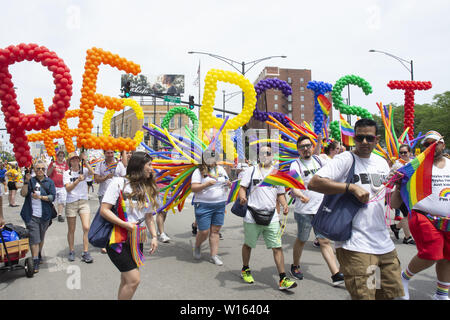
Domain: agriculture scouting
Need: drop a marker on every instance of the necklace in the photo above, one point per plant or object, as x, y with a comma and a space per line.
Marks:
313, 162
215, 175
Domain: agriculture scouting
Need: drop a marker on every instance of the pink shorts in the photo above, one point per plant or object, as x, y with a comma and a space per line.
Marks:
432, 244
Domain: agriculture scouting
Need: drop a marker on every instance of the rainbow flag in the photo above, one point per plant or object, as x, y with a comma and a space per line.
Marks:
234, 190
416, 184
347, 132
289, 179
118, 234
324, 103
111, 166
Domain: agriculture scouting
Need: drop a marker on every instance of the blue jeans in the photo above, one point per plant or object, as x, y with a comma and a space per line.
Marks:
207, 214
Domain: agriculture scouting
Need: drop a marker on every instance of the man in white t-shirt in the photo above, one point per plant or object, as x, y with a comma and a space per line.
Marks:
263, 199
370, 246
306, 206
104, 172
429, 223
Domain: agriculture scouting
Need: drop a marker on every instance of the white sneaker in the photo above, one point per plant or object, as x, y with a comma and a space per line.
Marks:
164, 238
438, 297
215, 259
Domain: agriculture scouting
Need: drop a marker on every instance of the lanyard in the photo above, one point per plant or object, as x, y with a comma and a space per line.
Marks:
314, 164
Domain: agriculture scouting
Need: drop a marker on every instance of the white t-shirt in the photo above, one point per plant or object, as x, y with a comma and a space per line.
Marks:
80, 192
215, 193
36, 205
307, 169
369, 231
121, 171
112, 194
102, 170
438, 202
260, 198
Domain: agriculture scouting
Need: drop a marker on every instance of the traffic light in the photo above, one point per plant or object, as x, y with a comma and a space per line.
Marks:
191, 102
126, 89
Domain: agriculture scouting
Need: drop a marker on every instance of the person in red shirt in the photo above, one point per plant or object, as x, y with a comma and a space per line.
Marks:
55, 172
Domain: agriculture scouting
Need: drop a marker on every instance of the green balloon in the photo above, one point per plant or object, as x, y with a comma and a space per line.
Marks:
338, 101
183, 110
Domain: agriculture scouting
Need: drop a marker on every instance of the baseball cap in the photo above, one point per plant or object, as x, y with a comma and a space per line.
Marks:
72, 155
432, 135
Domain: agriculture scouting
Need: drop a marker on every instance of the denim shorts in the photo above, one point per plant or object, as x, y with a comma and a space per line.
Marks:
304, 226
207, 214
37, 228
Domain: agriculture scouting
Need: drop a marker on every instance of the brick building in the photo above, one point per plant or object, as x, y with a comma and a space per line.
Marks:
299, 106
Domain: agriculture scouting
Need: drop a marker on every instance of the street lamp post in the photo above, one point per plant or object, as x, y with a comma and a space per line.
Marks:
402, 61
234, 63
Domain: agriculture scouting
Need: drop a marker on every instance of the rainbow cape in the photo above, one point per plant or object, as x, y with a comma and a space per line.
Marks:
111, 166
347, 132
416, 183
234, 190
324, 103
289, 179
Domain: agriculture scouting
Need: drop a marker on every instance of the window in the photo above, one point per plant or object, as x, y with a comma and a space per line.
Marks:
275, 106
302, 89
290, 115
302, 98
303, 116
172, 123
290, 98
301, 79
289, 107
146, 121
179, 122
289, 80
275, 97
302, 107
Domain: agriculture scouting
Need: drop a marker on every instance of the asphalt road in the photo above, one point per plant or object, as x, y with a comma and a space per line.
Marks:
172, 273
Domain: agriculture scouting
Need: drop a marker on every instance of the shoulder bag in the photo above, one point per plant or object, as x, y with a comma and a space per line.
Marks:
239, 209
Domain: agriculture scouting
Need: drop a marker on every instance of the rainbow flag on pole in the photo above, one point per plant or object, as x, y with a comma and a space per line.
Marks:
289, 179
347, 132
324, 103
416, 184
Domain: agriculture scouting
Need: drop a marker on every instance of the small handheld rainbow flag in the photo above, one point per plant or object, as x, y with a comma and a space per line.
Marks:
324, 103
118, 234
234, 190
416, 183
347, 132
289, 179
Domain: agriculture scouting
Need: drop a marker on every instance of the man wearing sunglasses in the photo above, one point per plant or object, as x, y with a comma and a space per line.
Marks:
370, 247
430, 223
306, 206
55, 172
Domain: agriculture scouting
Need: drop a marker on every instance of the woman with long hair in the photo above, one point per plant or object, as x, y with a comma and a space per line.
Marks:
74, 181
210, 185
139, 193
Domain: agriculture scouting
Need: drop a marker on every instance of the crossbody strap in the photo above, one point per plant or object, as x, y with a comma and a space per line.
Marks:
351, 173
251, 182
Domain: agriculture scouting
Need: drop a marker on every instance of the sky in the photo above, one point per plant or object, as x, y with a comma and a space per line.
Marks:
331, 38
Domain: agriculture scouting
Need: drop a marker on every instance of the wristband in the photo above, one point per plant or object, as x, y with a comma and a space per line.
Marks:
347, 186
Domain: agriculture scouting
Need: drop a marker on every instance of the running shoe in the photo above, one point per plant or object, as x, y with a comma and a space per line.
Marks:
247, 275
337, 279
409, 240
197, 253
395, 230
316, 243
216, 260
287, 283
71, 256
164, 238
296, 272
86, 257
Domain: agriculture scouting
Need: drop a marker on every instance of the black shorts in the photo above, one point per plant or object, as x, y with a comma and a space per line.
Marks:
89, 183
2, 179
12, 185
123, 260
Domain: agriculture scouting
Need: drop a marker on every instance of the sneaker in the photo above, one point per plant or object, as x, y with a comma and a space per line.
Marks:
215, 259
36, 263
86, 257
409, 240
164, 238
316, 243
220, 236
71, 256
60, 218
287, 283
197, 253
337, 279
395, 230
247, 275
296, 272
194, 230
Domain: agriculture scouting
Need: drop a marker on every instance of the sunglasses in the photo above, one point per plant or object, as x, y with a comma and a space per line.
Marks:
403, 152
37, 169
361, 137
427, 144
305, 146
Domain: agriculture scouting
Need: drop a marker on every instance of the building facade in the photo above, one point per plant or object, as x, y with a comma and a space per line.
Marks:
125, 123
299, 106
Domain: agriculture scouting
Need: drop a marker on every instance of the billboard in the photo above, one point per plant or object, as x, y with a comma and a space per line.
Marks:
165, 84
